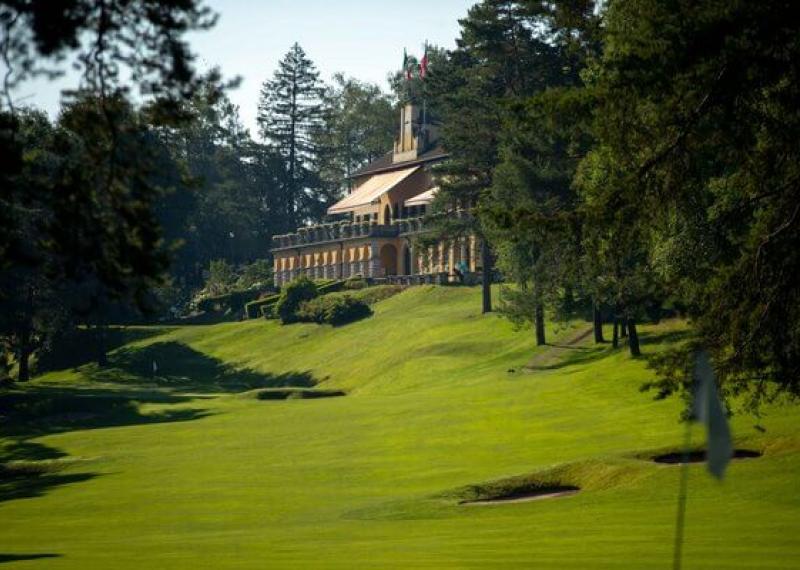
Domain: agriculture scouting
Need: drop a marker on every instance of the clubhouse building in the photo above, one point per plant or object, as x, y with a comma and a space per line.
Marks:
379, 221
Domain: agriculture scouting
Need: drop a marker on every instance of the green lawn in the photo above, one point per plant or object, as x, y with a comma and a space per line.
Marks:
191, 470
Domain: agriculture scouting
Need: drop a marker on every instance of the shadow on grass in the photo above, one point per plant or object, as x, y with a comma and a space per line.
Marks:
37, 486
6, 558
38, 411
668, 337
29, 469
78, 347
571, 356
179, 368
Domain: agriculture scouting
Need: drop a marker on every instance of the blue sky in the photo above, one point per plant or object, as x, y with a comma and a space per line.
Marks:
362, 38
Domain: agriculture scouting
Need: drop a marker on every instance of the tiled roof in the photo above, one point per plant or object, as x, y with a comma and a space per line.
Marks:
385, 163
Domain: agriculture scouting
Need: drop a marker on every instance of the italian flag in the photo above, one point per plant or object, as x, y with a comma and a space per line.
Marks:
406, 67
423, 64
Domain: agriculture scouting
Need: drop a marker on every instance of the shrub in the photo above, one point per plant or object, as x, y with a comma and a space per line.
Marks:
292, 296
333, 309
355, 283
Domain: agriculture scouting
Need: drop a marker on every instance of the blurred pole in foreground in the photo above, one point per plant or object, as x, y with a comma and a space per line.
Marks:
708, 409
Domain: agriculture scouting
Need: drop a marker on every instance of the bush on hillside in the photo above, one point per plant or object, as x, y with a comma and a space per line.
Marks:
335, 310
292, 296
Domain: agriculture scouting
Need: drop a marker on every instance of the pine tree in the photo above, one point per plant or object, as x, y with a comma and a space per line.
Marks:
498, 58
290, 115
532, 215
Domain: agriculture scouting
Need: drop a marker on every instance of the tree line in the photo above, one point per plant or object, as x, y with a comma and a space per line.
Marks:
128, 201
622, 158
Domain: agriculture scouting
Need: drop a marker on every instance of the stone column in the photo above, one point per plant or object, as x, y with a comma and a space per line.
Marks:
472, 253
375, 261
440, 266
412, 259
451, 259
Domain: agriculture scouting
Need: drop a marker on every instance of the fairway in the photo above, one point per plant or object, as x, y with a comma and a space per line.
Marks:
187, 468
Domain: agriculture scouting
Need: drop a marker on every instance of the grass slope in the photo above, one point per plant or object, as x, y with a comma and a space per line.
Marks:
187, 470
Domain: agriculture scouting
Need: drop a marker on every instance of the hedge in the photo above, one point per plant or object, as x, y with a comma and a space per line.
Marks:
233, 301
254, 309
330, 287
371, 295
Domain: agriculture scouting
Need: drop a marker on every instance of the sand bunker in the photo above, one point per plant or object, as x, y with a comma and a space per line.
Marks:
679, 457
296, 393
526, 496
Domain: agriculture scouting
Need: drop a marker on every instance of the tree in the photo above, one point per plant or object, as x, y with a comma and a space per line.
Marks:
290, 116
534, 207
505, 54
31, 310
697, 131
90, 238
359, 126
221, 277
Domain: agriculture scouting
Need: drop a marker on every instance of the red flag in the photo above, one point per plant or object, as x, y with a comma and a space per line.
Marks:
423, 65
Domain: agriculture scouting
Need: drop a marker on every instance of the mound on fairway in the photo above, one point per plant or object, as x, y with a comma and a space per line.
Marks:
188, 472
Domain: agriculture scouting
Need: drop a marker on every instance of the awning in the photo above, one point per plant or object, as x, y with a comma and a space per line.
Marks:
422, 199
371, 191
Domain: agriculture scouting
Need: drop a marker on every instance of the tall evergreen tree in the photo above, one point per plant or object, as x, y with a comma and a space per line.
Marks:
290, 114
532, 215
498, 58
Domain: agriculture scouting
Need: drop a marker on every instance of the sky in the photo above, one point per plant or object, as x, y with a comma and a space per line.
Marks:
361, 38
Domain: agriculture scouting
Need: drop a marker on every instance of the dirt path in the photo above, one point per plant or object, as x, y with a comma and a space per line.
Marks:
553, 353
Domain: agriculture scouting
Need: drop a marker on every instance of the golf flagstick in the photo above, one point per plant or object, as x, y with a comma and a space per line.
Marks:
682, 490
708, 409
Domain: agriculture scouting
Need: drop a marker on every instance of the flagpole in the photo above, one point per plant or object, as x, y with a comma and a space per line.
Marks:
424, 98
683, 488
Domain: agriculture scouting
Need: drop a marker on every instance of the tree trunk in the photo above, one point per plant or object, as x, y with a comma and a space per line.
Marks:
539, 325
633, 340
486, 276
24, 372
100, 345
597, 320
25, 338
615, 335
623, 328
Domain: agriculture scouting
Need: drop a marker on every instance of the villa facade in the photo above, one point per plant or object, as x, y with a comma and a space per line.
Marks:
380, 219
